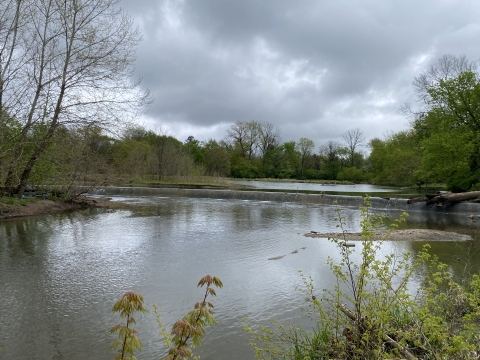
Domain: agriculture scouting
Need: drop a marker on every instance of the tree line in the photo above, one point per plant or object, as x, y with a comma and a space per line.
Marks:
442, 144
67, 100
88, 156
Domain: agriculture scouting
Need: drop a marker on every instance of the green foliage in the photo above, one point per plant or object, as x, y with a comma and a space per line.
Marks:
193, 147
128, 340
305, 148
190, 329
217, 160
370, 314
15, 201
448, 314
397, 160
242, 168
450, 131
353, 174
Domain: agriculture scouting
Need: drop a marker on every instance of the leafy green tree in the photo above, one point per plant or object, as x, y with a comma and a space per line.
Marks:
305, 148
194, 148
217, 160
10, 129
396, 160
330, 154
242, 167
451, 131
132, 157
278, 165
128, 340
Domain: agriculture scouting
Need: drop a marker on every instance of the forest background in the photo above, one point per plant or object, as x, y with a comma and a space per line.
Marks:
68, 104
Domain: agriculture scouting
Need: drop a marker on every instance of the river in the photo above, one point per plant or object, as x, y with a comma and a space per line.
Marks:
61, 274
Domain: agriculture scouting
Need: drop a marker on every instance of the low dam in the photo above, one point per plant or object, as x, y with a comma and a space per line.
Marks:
299, 198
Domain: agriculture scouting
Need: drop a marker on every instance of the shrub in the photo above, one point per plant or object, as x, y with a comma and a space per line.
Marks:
370, 314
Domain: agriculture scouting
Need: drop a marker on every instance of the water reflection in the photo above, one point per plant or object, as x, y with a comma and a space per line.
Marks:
284, 185
61, 274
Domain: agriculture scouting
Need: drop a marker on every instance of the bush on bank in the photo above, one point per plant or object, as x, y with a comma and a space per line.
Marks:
371, 313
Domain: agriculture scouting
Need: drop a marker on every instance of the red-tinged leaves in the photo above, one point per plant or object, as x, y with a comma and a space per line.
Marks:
115, 328
212, 292
129, 303
207, 279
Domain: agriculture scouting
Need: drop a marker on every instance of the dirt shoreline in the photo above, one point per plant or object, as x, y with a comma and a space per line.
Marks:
399, 235
46, 207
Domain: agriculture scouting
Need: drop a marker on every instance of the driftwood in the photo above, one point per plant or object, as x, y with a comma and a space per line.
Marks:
408, 355
446, 197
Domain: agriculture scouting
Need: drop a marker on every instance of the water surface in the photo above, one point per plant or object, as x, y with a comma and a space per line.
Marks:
285, 185
60, 275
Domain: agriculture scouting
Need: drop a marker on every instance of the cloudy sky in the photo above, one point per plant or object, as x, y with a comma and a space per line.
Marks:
314, 68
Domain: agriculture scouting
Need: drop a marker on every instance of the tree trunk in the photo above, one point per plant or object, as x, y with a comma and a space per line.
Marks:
446, 197
387, 338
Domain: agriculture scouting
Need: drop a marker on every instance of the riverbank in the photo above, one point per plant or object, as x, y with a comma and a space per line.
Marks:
34, 207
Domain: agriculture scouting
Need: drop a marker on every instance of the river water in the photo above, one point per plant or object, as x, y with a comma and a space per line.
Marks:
61, 274
308, 186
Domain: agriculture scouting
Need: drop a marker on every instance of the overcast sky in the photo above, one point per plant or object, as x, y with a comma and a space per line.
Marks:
314, 68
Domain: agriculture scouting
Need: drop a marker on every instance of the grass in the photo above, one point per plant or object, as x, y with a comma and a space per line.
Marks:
10, 202
185, 180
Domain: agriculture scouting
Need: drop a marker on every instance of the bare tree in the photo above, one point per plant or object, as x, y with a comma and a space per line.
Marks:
78, 58
269, 138
252, 138
447, 67
237, 136
245, 136
353, 139
330, 151
12, 58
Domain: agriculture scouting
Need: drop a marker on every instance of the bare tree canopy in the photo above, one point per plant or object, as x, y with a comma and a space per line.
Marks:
269, 138
447, 67
64, 64
330, 150
353, 139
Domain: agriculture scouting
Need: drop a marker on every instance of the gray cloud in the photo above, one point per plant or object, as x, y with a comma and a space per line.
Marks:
314, 68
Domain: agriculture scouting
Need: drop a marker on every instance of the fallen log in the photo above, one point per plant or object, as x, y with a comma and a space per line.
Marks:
445, 197
387, 339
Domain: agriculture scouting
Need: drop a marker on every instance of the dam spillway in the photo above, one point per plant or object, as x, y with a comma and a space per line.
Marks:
300, 198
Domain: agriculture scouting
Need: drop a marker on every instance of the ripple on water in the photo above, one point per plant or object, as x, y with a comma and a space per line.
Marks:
61, 274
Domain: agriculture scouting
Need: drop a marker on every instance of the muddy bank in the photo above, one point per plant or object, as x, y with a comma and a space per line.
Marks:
400, 235
46, 207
